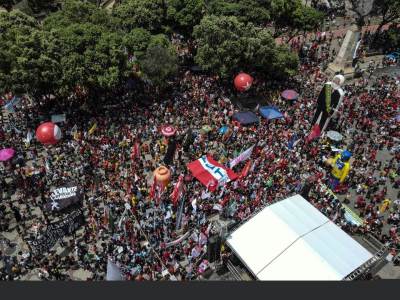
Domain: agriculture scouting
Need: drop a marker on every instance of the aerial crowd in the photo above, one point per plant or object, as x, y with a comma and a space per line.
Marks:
139, 235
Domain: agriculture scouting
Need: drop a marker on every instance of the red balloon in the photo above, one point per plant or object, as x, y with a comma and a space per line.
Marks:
243, 82
48, 133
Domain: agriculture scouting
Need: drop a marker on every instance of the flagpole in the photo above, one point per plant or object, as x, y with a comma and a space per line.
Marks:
180, 212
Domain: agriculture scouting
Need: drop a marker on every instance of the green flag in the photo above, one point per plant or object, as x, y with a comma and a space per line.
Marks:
269, 182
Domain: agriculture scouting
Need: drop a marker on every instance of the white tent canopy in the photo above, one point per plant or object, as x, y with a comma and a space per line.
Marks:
292, 240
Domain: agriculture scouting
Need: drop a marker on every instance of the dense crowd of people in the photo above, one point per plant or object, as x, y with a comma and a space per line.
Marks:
141, 235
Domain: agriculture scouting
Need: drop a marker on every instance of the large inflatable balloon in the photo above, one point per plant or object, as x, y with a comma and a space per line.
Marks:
162, 175
243, 82
48, 133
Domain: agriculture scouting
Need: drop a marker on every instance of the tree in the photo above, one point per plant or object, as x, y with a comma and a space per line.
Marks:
221, 44
273, 61
294, 17
94, 55
392, 38
28, 61
183, 15
389, 10
41, 5
78, 12
159, 64
147, 14
137, 41
226, 45
361, 9
254, 11
7, 4
92, 58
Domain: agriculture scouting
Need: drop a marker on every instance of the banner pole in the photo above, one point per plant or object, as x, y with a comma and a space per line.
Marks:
180, 212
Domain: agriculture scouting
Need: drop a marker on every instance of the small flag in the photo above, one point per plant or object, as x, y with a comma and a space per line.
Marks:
92, 129
246, 169
47, 166
292, 141
177, 192
106, 216
135, 153
153, 189
314, 134
74, 130
29, 137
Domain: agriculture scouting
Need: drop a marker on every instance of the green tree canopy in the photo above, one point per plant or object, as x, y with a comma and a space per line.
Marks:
147, 14
7, 4
94, 53
78, 12
41, 5
136, 42
183, 15
226, 45
255, 11
287, 15
91, 57
28, 60
389, 9
292, 15
159, 64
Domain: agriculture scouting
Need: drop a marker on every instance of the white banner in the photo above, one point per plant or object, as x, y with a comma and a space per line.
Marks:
177, 241
242, 156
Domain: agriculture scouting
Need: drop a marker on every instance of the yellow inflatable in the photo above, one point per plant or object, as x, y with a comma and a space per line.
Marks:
340, 169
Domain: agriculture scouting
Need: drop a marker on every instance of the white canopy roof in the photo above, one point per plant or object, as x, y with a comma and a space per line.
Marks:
292, 240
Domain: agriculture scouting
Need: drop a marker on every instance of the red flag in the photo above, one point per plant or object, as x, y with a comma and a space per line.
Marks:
135, 151
245, 170
223, 201
177, 192
160, 187
315, 133
153, 189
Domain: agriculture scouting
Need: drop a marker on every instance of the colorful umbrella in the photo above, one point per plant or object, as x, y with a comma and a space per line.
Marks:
270, 112
334, 136
223, 129
290, 95
6, 154
168, 130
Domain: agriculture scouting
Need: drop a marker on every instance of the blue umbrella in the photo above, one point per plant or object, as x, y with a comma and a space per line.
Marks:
245, 117
270, 112
223, 129
397, 118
